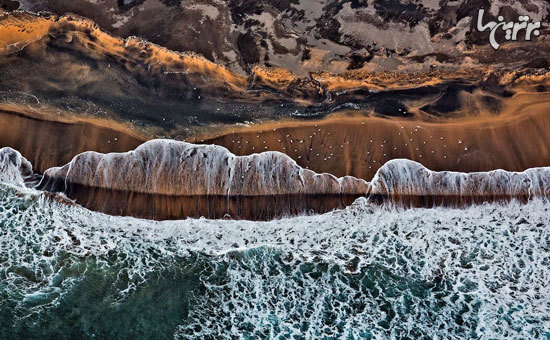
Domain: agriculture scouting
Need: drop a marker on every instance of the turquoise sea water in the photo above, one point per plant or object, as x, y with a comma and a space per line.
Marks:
362, 273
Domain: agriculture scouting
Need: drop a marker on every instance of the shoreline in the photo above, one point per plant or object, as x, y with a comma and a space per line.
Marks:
343, 143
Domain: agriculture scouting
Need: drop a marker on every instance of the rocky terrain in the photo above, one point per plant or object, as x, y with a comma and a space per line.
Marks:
303, 36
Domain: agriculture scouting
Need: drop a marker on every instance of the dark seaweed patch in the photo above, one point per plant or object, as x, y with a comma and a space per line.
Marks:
448, 102
538, 63
171, 3
541, 88
492, 85
358, 60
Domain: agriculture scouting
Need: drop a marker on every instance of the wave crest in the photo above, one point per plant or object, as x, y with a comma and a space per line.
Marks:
405, 177
182, 169
14, 168
166, 179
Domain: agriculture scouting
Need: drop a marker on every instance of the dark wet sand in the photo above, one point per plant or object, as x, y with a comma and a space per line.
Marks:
165, 207
258, 208
46, 143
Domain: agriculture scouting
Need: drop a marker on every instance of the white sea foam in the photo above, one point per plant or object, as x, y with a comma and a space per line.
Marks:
177, 168
487, 264
406, 177
14, 168
363, 272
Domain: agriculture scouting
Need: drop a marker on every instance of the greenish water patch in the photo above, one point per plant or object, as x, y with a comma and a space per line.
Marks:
362, 273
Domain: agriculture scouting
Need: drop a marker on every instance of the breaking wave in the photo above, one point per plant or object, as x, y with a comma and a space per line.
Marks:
177, 168
165, 179
14, 168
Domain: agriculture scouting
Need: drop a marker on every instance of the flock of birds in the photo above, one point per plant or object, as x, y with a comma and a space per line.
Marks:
322, 145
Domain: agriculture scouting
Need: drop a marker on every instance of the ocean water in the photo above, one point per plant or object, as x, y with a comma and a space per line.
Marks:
366, 272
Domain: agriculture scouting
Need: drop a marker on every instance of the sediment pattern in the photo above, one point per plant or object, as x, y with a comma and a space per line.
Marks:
177, 92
